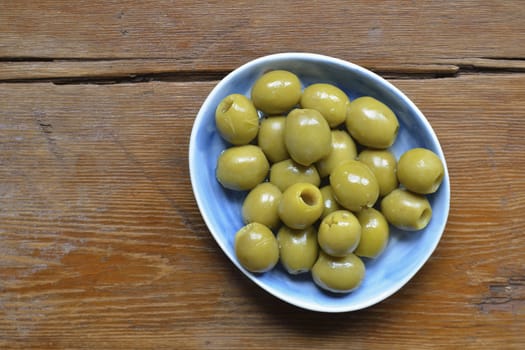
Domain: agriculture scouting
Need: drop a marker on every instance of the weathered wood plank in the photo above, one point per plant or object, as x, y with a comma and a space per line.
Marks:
102, 245
218, 36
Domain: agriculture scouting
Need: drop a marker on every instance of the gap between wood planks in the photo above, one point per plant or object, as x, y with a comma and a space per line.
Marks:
101, 71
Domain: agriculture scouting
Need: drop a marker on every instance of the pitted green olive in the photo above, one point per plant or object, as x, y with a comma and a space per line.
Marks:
328, 99
339, 233
276, 92
242, 168
307, 136
355, 186
260, 205
287, 172
383, 164
301, 205
237, 119
420, 170
271, 138
338, 274
342, 148
298, 249
374, 233
329, 202
256, 247
371, 123
406, 210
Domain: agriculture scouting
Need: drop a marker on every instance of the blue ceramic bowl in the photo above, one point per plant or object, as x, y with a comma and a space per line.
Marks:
221, 209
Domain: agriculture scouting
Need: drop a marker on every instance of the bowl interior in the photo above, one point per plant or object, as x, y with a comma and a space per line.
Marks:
221, 209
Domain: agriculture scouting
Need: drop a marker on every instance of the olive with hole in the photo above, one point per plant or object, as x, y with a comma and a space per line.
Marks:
355, 186
420, 170
242, 168
237, 119
276, 92
307, 136
338, 274
256, 247
375, 233
342, 148
328, 99
271, 138
406, 210
329, 202
260, 205
301, 205
371, 123
384, 166
339, 233
287, 172
298, 249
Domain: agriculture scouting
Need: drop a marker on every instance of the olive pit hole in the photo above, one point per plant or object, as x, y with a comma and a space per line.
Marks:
309, 197
425, 216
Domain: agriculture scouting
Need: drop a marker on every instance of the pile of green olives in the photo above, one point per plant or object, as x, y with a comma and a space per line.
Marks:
323, 187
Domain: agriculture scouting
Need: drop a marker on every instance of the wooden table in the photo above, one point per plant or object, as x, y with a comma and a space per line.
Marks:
101, 242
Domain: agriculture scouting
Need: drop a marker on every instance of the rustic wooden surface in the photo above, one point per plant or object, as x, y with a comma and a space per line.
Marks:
101, 242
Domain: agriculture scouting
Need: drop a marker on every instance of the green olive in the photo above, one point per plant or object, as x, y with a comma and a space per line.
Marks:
342, 148
338, 274
420, 170
383, 164
237, 119
260, 205
406, 210
298, 249
328, 99
374, 233
371, 123
307, 136
329, 202
301, 205
276, 92
287, 172
339, 233
355, 186
242, 168
271, 138
256, 247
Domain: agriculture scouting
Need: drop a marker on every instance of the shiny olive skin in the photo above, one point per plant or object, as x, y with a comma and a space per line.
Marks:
406, 210
307, 136
298, 249
276, 92
271, 138
371, 123
384, 166
355, 186
374, 233
329, 202
342, 148
338, 274
242, 168
339, 233
420, 170
260, 205
328, 99
287, 172
301, 205
256, 247
237, 119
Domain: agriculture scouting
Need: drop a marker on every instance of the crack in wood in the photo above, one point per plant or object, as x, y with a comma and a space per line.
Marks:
102, 71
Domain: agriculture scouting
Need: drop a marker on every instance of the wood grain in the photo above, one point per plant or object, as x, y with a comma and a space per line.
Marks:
102, 245
219, 35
